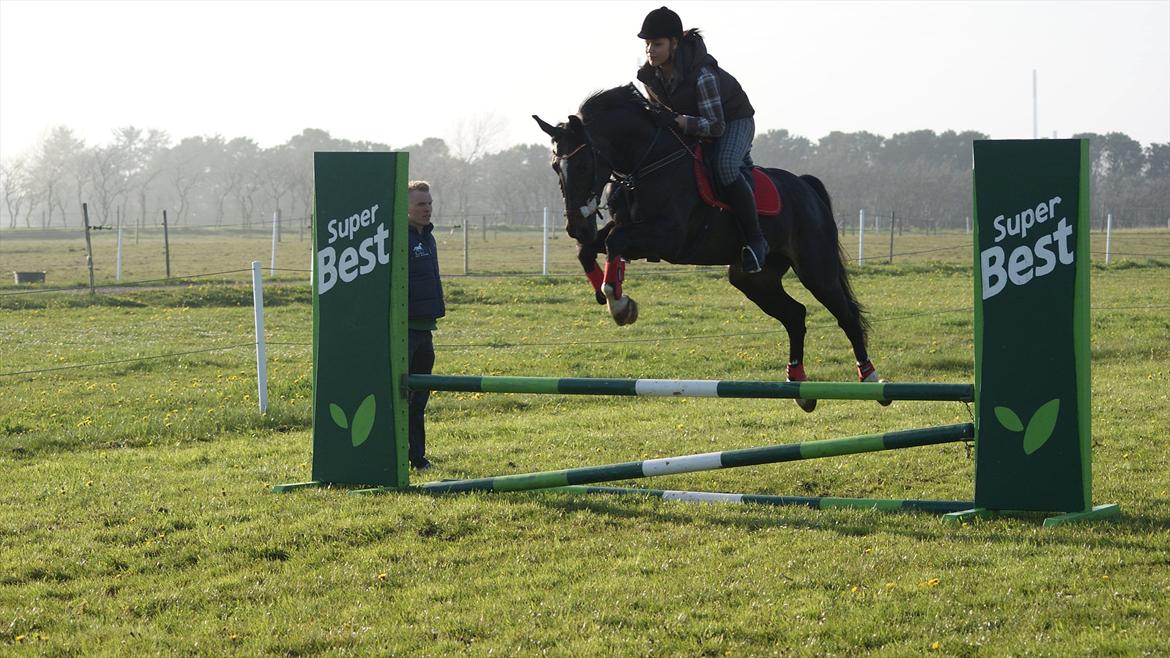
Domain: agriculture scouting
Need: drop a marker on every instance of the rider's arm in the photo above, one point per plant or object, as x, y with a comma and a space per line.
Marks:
709, 123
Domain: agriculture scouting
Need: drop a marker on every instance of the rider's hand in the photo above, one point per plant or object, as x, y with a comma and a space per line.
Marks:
681, 122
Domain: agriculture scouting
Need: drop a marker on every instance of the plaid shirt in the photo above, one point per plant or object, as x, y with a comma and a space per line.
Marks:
710, 122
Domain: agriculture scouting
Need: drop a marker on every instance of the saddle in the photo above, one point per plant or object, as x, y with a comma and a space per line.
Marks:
768, 203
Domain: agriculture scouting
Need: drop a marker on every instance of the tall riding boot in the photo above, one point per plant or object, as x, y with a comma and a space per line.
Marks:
743, 206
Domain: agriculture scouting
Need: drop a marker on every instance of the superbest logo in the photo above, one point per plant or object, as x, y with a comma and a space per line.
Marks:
1031, 257
356, 258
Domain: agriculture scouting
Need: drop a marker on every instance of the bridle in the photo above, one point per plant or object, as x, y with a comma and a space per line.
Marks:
628, 181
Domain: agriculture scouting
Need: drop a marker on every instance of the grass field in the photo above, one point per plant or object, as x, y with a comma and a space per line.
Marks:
137, 518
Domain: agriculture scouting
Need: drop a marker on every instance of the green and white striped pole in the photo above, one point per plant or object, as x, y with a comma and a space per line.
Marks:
695, 388
707, 461
815, 502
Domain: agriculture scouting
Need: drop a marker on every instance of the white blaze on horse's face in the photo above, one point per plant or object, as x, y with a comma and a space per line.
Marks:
567, 188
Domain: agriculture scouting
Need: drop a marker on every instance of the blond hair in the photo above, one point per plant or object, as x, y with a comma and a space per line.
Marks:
418, 186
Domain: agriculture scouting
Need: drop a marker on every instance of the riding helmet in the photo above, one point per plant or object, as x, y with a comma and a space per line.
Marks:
660, 23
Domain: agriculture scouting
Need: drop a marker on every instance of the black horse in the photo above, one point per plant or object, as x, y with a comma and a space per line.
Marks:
618, 139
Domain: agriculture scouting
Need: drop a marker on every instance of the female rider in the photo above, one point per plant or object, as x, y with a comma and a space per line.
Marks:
683, 77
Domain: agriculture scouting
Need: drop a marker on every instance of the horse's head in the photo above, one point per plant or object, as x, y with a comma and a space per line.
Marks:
581, 174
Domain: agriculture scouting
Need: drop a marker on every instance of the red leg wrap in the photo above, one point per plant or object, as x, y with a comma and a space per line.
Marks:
596, 278
796, 373
864, 370
615, 272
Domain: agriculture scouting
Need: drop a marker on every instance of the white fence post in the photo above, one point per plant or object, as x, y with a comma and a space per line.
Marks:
275, 239
118, 269
261, 360
544, 240
1108, 235
466, 258
861, 237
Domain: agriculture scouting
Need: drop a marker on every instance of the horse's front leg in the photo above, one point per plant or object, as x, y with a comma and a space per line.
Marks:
621, 306
587, 256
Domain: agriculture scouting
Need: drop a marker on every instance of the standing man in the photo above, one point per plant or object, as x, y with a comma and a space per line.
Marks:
426, 307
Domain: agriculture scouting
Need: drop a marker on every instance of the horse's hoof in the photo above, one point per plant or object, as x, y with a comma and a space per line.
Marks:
600, 296
807, 405
624, 313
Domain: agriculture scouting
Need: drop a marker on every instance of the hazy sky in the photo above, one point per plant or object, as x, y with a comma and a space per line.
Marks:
397, 72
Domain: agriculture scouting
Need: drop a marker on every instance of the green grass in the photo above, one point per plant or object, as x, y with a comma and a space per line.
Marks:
137, 518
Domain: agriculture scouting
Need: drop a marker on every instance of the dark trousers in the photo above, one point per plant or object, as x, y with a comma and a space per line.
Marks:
420, 360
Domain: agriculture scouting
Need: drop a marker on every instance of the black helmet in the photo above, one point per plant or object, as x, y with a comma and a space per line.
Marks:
660, 23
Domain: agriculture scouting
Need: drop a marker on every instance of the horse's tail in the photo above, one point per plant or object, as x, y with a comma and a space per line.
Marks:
842, 274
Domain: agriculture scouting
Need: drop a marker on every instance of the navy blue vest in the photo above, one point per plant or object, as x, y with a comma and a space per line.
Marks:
426, 290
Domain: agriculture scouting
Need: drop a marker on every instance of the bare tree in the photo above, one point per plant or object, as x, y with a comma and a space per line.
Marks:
14, 183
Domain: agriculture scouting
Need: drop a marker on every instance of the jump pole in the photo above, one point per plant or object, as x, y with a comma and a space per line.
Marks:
1031, 391
704, 462
708, 388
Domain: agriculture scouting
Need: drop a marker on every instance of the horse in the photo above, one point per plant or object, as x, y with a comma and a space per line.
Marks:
617, 139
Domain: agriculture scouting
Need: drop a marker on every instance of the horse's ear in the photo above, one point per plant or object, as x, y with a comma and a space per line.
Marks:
546, 127
575, 124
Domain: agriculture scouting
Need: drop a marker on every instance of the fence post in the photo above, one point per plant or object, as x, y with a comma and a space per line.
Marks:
261, 359
118, 260
88, 246
483, 227
466, 259
1108, 235
861, 237
893, 220
275, 239
544, 240
167, 244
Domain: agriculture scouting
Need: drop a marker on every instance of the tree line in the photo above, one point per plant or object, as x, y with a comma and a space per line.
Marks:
920, 178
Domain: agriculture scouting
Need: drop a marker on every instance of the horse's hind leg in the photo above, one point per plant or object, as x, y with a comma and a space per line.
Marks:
766, 290
832, 294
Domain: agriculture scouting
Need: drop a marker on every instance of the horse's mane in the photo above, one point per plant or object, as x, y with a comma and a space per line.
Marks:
625, 97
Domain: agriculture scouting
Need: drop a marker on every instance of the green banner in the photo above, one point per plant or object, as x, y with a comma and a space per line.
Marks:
359, 318
1032, 325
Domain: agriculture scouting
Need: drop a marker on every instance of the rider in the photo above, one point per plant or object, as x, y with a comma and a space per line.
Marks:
680, 75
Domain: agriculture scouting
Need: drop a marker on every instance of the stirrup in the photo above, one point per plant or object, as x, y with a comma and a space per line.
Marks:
749, 262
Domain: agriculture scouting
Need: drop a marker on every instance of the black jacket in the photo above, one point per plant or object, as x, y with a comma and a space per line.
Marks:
426, 290
689, 58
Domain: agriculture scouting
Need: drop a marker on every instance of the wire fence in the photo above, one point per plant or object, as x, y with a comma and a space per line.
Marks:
495, 344
61, 258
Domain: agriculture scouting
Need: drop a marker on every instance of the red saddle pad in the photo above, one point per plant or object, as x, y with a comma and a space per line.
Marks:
768, 201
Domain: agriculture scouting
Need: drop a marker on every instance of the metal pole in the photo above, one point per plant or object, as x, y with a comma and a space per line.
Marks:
893, 220
275, 239
261, 360
466, 257
118, 261
167, 244
1035, 111
861, 237
1108, 235
544, 240
88, 246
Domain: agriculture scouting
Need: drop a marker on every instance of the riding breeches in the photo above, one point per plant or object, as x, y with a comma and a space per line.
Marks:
735, 149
